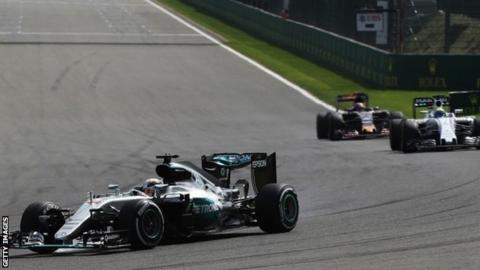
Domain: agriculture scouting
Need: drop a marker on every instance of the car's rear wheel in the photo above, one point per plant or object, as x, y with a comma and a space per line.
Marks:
396, 115
144, 222
396, 135
476, 129
44, 218
277, 208
322, 127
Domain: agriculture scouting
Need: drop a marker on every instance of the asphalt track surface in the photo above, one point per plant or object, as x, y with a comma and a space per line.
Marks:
91, 91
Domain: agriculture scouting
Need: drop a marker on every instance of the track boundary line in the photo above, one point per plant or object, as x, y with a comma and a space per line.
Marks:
268, 71
106, 34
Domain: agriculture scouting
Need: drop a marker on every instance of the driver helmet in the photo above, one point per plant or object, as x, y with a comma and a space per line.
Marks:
439, 113
359, 107
438, 110
148, 186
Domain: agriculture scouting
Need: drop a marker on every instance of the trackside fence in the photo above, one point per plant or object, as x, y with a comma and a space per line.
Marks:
364, 63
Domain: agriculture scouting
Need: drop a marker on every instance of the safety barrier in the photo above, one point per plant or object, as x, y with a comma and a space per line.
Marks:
469, 101
370, 65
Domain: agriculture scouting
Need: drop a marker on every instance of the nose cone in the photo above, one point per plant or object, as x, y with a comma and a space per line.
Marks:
74, 224
369, 128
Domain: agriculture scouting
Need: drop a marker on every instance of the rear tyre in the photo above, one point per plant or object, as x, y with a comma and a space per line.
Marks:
144, 222
476, 129
396, 115
322, 127
277, 208
45, 218
410, 134
396, 135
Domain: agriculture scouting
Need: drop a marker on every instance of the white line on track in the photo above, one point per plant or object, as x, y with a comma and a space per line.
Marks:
99, 34
70, 3
275, 75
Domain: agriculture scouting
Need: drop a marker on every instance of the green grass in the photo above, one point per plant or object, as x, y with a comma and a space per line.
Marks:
320, 81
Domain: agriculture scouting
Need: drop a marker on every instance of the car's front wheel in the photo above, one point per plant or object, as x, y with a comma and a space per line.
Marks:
144, 223
410, 135
334, 124
277, 208
44, 218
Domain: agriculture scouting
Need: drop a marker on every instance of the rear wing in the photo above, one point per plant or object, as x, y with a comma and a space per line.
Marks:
429, 102
263, 167
355, 97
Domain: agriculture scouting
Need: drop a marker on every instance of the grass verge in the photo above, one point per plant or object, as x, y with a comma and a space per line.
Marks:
320, 81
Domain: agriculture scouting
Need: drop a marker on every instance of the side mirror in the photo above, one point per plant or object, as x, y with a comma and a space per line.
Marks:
243, 186
376, 108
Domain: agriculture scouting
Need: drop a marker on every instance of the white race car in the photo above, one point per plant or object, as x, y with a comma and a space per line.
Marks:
437, 130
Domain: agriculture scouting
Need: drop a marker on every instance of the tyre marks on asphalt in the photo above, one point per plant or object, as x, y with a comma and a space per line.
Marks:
58, 81
466, 186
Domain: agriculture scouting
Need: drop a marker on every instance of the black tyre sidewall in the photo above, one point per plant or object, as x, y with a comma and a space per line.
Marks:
131, 218
271, 208
321, 126
476, 129
396, 115
334, 122
395, 134
409, 132
30, 222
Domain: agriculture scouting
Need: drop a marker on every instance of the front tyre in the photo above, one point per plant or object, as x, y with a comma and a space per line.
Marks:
277, 208
410, 135
45, 218
144, 222
335, 123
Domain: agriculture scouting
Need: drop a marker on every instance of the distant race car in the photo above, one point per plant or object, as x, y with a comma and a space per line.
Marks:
358, 122
186, 200
437, 130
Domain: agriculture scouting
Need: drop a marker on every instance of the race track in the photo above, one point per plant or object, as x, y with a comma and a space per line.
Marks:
92, 90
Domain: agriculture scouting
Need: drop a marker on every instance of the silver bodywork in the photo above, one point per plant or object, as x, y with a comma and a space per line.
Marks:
188, 201
73, 224
197, 188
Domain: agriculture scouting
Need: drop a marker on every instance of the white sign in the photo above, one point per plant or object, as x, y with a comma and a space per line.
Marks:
370, 22
382, 36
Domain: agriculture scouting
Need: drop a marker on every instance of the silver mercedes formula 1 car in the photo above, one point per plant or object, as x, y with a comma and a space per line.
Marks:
184, 200
438, 129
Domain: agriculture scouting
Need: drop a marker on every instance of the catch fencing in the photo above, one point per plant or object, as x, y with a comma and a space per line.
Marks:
375, 67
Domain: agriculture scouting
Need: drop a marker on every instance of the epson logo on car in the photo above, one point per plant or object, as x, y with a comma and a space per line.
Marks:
259, 164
